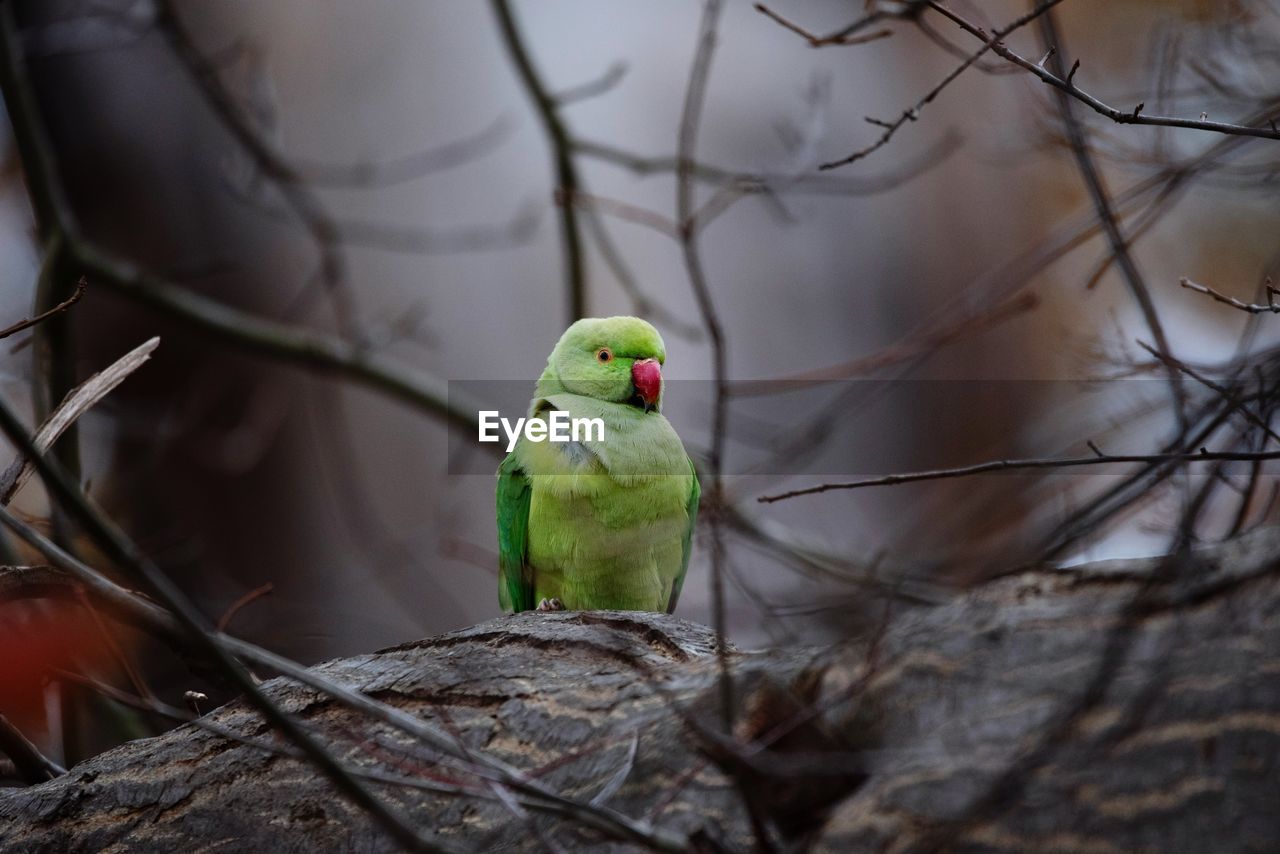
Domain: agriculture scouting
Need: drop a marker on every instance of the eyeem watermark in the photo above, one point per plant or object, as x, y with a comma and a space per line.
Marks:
558, 427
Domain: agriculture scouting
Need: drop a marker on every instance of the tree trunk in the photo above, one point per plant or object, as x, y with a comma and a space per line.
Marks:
1133, 705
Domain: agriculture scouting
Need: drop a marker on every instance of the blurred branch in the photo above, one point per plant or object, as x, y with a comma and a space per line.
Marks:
248, 598
269, 162
283, 342
594, 88
31, 764
398, 170
1106, 215
57, 309
687, 235
313, 350
177, 611
1065, 83
821, 41
881, 10
642, 304
562, 155
920, 342
770, 182
1271, 305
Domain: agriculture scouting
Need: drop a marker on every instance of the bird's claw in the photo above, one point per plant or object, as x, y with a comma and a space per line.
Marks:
550, 605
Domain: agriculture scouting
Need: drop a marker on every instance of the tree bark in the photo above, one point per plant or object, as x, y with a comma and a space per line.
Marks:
1131, 705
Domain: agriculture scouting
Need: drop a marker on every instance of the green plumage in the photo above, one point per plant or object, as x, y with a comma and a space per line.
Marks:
597, 524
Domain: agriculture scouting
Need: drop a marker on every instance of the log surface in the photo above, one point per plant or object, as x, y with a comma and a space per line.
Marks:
968, 726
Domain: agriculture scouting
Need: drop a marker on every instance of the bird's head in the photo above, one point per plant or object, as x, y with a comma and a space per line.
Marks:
616, 359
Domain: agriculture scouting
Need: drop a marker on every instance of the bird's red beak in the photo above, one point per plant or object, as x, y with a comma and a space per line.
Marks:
646, 376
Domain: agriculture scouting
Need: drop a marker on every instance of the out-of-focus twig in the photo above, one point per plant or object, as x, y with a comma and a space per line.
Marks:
561, 152
880, 11
1102, 203
821, 41
57, 309
686, 149
300, 197
235, 607
397, 170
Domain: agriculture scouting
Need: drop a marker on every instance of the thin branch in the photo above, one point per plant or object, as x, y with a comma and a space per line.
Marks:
821, 41
1271, 305
905, 10
1023, 465
561, 152
913, 113
252, 596
57, 309
1065, 83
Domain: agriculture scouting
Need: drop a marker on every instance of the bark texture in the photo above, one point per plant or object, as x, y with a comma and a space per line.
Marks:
1117, 707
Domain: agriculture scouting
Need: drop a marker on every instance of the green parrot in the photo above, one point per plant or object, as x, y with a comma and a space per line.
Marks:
605, 524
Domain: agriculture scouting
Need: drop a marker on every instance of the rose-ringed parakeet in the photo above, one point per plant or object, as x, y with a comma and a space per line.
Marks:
604, 524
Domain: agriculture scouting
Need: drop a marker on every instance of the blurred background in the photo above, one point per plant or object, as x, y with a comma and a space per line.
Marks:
944, 299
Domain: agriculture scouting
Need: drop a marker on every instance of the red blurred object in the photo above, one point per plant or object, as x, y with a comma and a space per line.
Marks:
36, 640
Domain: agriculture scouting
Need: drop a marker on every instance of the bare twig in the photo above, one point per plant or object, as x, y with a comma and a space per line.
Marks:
912, 113
821, 41
57, 309
1023, 465
902, 10
1271, 305
252, 596
1065, 83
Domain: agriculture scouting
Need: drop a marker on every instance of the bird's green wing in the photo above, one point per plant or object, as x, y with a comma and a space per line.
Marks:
515, 577
695, 492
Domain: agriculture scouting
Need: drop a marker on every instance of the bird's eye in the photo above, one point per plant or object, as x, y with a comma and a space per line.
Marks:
604, 354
